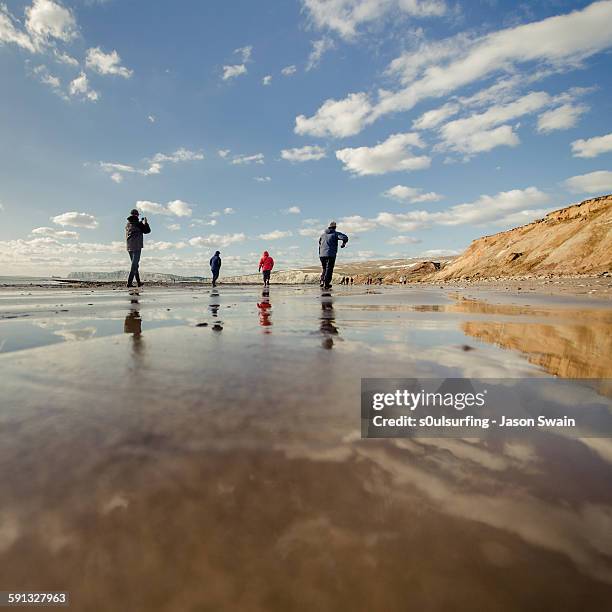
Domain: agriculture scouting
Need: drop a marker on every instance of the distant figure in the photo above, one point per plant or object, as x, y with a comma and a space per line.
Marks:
402, 280
352, 280
266, 263
134, 231
328, 249
215, 267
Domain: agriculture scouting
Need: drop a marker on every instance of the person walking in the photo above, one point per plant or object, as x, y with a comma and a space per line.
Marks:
266, 263
328, 249
134, 232
215, 267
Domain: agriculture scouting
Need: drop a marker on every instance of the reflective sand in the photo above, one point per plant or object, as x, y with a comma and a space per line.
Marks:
197, 450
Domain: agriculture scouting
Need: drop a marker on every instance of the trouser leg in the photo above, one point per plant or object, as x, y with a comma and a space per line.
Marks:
135, 258
329, 270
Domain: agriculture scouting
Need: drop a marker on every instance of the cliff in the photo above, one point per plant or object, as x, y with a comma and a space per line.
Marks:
569, 241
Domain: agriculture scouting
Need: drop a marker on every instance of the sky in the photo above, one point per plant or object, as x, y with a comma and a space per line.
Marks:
418, 125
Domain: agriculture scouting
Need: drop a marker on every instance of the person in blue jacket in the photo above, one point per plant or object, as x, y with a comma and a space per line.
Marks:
215, 267
328, 249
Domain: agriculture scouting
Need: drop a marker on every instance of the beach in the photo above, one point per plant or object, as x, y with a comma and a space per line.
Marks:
194, 448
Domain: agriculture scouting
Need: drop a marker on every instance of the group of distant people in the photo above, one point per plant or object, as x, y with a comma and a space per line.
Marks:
136, 228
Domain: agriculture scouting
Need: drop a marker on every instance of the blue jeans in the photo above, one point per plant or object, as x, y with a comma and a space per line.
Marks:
135, 257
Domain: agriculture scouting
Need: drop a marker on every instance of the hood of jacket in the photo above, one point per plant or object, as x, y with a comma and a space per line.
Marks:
266, 254
133, 219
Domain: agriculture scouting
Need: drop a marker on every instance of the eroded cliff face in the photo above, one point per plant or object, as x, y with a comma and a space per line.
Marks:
569, 241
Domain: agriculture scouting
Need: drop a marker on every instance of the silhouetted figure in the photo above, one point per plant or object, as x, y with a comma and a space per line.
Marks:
328, 249
134, 231
265, 309
266, 263
352, 280
215, 267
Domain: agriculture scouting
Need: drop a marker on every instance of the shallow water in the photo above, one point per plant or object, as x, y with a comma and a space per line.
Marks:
151, 462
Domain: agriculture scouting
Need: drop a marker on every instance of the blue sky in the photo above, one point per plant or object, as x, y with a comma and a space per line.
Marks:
418, 125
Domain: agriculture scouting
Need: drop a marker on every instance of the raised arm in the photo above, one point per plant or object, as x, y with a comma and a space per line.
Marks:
144, 226
342, 237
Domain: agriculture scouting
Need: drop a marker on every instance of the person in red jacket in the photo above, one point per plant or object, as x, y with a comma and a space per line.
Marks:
266, 263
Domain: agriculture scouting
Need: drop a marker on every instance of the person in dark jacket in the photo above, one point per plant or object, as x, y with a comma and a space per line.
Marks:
134, 231
215, 267
328, 249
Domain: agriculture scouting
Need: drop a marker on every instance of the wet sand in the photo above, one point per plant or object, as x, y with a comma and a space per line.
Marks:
193, 449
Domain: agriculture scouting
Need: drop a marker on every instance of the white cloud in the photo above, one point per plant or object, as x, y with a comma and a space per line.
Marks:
414, 195
76, 219
174, 227
49, 79
154, 165
151, 118
439, 253
599, 181
478, 132
217, 240
79, 87
223, 153
180, 155
176, 208
403, 240
54, 233
228, 211
561, 118
592, 147
303, 154
106, 63
276, 235
319, 48
522, 217
433, 118
65, 58
292, 210
231, 72
485, 209
11, 34
338, 118
245, 53
267, 80
356, 224
345, 16
46, 20
310, 232
556, 43
257, 158
393, 154
289, 70
263, 179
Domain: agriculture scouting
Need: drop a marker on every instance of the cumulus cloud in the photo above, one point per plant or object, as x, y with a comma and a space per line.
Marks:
414, 195
245, 53
592, 147
263, 179
309, 232
292, 210
303, 154
267, 80
223, 153
394, 154
337, 118
47, 20
599, 181
217, 240
228, 211
79, 87
345, 16
180, 155
276, 235
561, 118
76, 219
289, 70
10, 33
176, 208
233, 71
106, 63
356, 224
50, 232
319, 48
433, 118
556, 43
